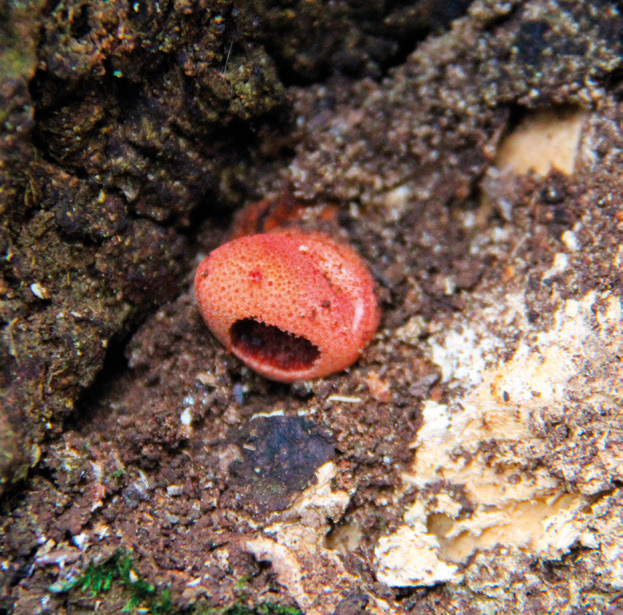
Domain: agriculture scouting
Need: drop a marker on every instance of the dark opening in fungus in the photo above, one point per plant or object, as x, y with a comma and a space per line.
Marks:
271, 345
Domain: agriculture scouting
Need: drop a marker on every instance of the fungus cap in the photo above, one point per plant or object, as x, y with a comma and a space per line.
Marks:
291, 305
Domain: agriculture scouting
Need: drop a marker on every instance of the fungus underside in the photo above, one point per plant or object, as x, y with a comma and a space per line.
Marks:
271, 345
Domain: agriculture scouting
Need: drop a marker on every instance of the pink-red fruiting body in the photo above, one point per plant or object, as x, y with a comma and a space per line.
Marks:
291, 305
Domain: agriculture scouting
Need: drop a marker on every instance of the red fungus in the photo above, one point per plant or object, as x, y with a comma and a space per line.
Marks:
291, 305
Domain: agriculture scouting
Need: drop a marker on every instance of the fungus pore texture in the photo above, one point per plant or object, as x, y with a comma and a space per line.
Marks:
291, 305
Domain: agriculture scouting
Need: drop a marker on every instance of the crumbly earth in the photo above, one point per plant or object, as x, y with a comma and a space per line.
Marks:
470, 462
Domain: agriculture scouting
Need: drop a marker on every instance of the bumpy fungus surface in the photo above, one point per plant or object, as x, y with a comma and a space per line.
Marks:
291, 305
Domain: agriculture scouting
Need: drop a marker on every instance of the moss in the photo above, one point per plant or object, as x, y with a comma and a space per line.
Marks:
118, 573
17, 40
119, 570
265, 608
